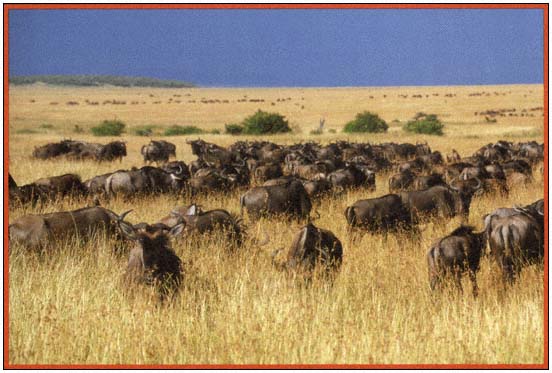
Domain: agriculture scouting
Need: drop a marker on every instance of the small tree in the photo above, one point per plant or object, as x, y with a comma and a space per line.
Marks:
262, 123
427, 124
366, 122
233, 129
109, 128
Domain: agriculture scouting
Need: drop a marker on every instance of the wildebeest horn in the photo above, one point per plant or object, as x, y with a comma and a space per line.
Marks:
451, 184
122, 216
180, 170
478, 183
274, 254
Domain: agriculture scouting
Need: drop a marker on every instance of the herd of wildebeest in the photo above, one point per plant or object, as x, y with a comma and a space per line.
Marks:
282, 181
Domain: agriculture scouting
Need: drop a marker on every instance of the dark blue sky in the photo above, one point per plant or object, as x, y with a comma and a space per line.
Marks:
365, 47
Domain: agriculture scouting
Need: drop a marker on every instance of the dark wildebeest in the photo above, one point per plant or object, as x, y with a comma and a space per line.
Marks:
514, 241
152, 261
312, 247
266, 172
210, 180
426, 182
196, 220
95, 186
443, 200
39, 231
401, 181
111, 151
455, 254
50, 150
177, 168
63, 185
158, 151
535, 210
348, 177
453, 157
288, 198
143, 181
386, 213
317, 187
27, 193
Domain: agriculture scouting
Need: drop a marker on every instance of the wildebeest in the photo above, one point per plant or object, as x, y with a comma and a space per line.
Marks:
455, 254
143, 181
158, 151
42, 231
425, 182
401, 181
288, 198
63, 185
313, 247
266, 172
111, 151
152, 261
196, 220
446, 201
382, 214
514, 241
177, 168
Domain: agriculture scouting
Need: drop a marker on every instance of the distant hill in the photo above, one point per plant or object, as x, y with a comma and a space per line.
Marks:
98, 80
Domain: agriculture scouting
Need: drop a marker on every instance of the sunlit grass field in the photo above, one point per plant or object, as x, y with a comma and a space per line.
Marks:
69, 307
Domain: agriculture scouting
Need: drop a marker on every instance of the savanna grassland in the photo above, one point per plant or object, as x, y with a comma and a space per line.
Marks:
68, 306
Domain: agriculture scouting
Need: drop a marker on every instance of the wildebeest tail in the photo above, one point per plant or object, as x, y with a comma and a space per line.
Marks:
350, 215
242, 203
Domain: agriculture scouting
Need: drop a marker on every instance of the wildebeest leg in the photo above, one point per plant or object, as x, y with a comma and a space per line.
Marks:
473, 280
508, 271
458, 278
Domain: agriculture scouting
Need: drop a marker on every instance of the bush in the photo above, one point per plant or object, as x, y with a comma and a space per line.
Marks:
182, 130
366, 122
262, 123
46, 126
146, 130
317, 131
332, 130
216, 131
109, 128
427, 124
233, 129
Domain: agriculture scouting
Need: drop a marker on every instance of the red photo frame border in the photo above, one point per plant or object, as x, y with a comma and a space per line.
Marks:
8, 7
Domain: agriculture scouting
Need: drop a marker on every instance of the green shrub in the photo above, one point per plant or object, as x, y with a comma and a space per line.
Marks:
233, 129
177, 130
109, 128
26, 131
146, 130
427, 124
262, 123
317, 131
216, 131
332, 130
366, 122
46, 126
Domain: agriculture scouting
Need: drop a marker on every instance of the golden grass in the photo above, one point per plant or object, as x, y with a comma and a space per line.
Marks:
69, 308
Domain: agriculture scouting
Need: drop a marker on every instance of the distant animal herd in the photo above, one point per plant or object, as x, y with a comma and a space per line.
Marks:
281, 182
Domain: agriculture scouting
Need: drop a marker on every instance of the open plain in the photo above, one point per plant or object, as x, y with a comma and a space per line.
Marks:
66, 306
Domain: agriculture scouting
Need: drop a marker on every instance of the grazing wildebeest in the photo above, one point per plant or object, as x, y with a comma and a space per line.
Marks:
196, 220
401, 181
50, 150
209, 180
27, 193
288, 198
514, 241
158, 151
455, 254
443, 200
350, 176
111, 151
386, 213
63, 185
95, 186
313, 247
425, 182
535, 210
41, 231
152, 261
266, 172
317, 187
144, 180
177, 168
212, 154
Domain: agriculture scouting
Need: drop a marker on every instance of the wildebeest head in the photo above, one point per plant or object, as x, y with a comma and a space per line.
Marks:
152, 261
465, 189
198, 146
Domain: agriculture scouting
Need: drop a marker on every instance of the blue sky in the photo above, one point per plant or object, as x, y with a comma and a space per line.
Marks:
362, 47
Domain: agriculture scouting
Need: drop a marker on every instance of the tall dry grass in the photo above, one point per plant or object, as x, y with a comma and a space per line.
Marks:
68, 306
